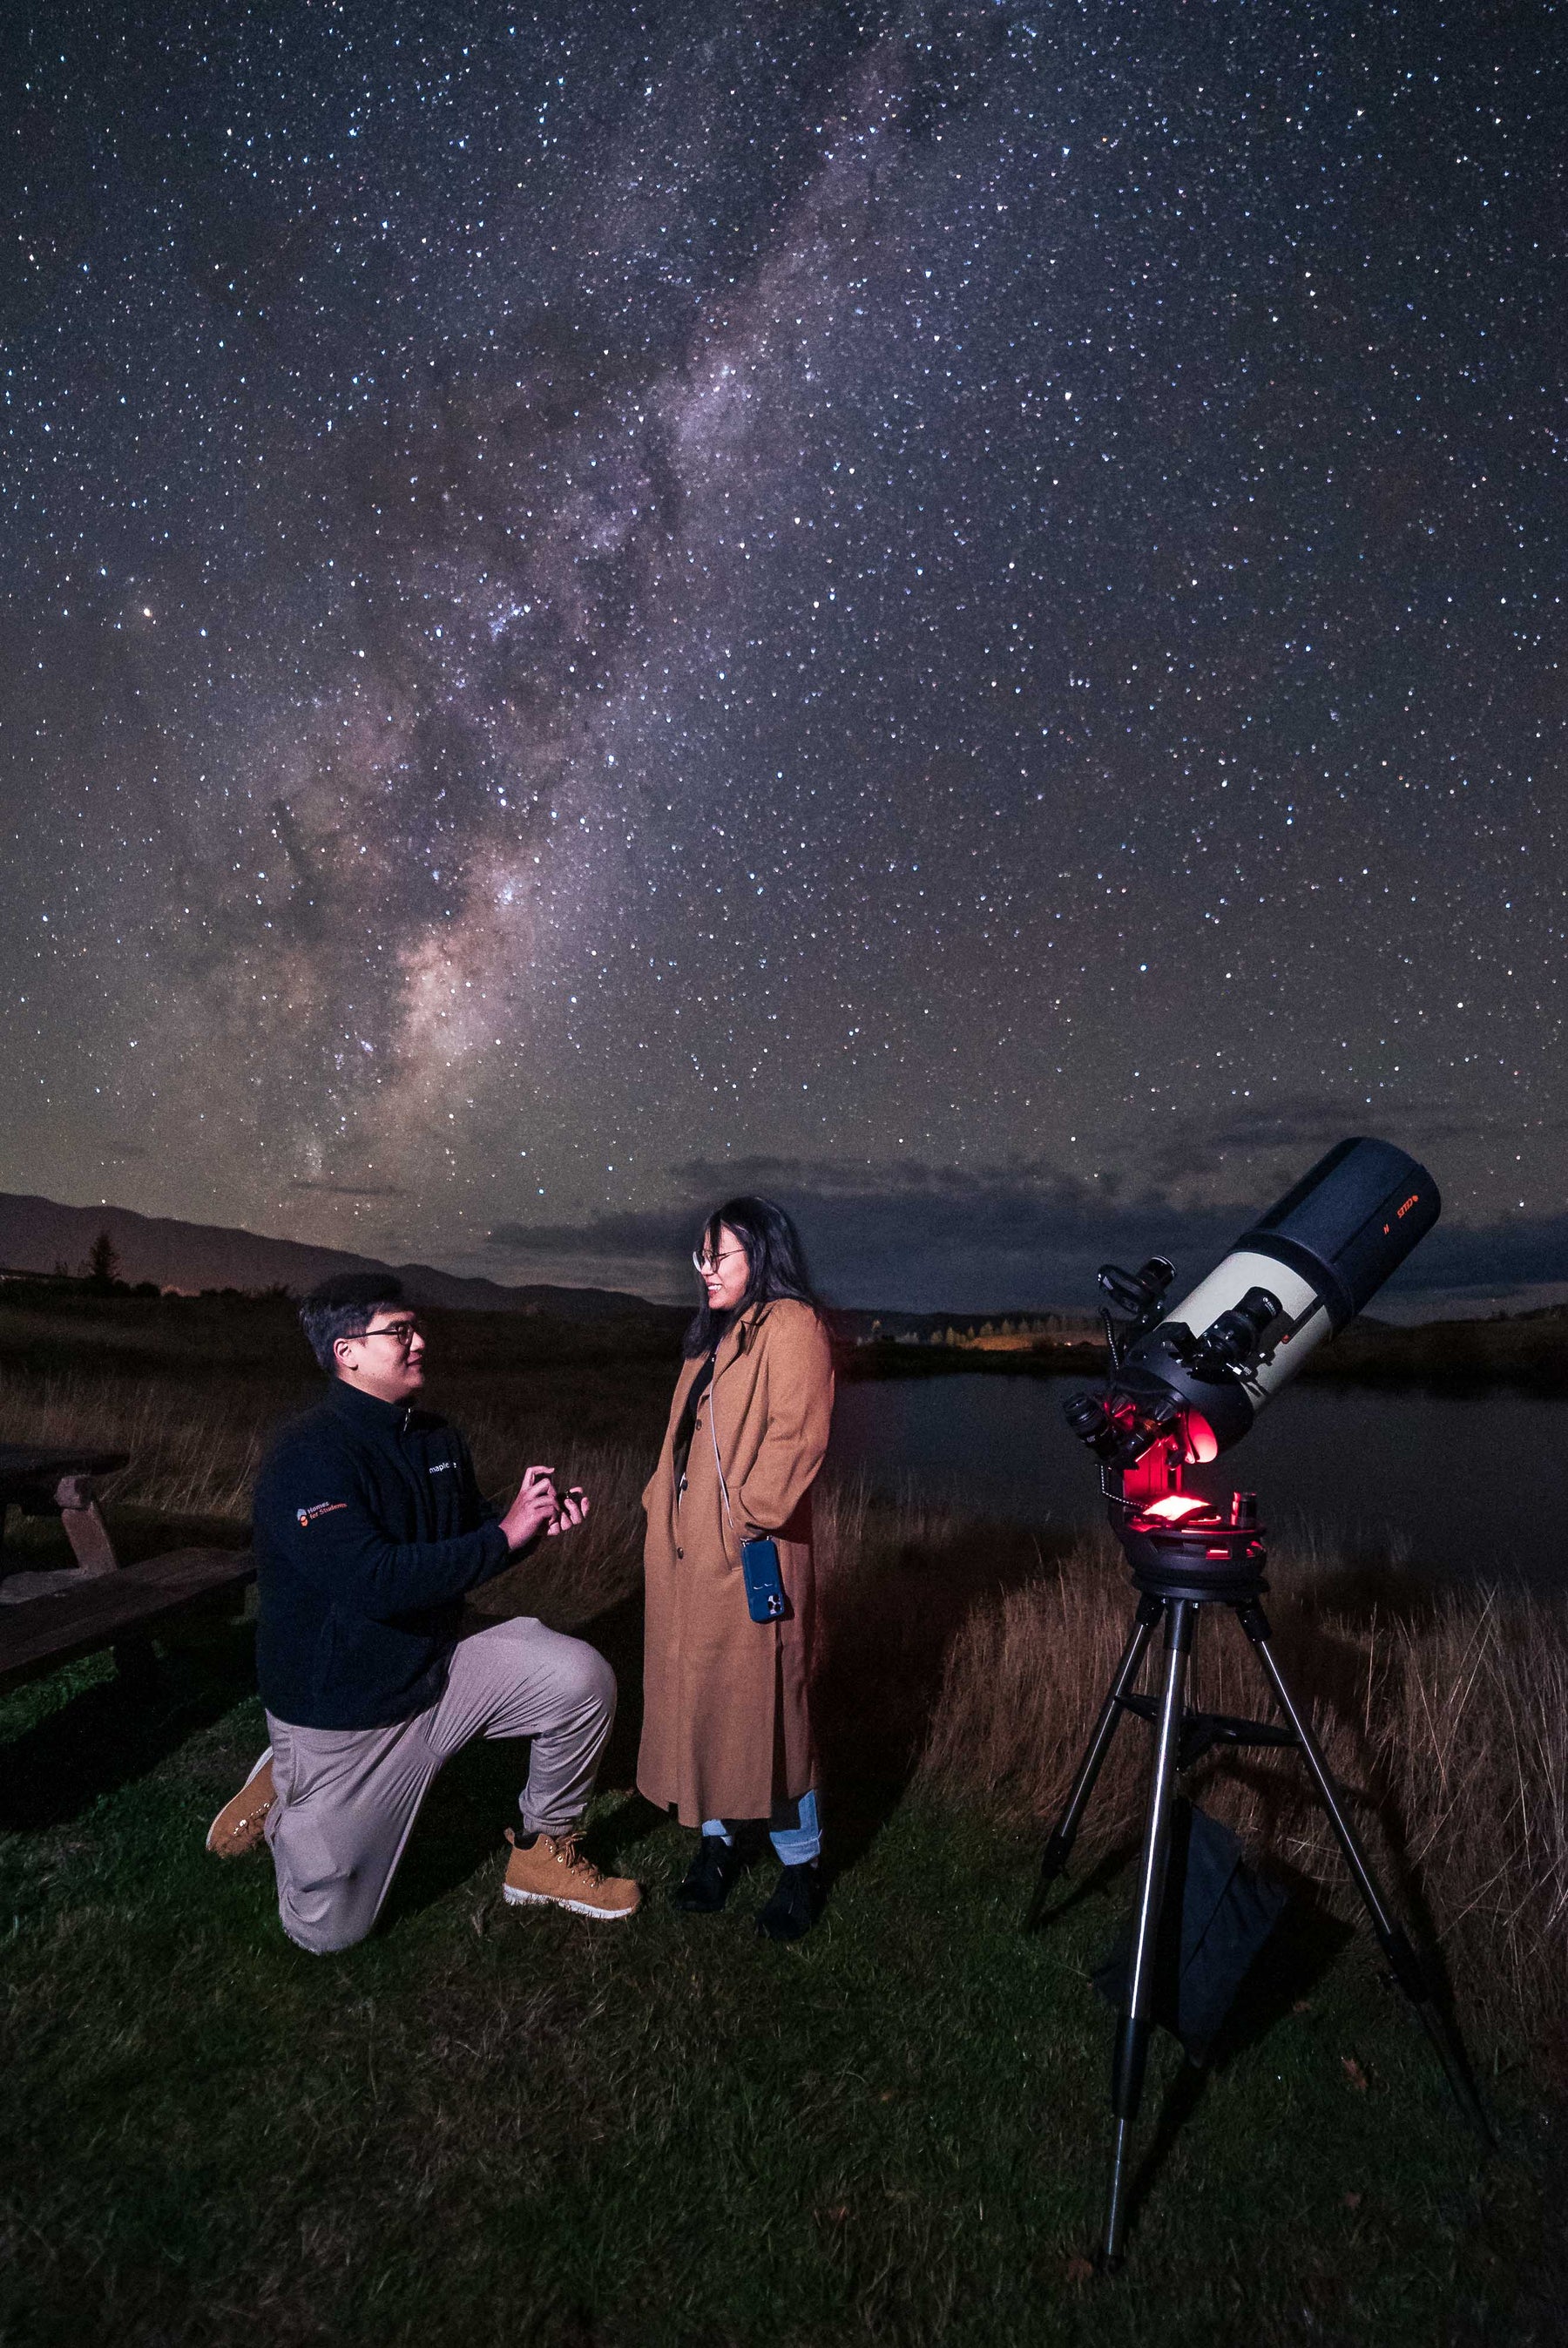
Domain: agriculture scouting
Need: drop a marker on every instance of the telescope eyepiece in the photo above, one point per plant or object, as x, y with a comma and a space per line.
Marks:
1086, 1414
1235, 1342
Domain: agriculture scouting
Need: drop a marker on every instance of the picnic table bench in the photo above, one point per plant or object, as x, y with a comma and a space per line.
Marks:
52, 1617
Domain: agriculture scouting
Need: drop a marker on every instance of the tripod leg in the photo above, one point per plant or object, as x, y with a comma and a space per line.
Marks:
1058, 1848
1404, 1960
1136, 2019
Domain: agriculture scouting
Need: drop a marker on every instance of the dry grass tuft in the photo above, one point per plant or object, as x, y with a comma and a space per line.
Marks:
192, 1454
1443, 1713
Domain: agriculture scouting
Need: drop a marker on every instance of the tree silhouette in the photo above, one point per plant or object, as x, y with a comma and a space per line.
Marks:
102, 1265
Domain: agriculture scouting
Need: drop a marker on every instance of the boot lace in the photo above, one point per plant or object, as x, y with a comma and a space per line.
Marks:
568, 1856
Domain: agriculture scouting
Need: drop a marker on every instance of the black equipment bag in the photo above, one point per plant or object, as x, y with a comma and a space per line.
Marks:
1217, 1915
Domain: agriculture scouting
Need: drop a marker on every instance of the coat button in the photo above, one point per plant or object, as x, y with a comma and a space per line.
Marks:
679, 1552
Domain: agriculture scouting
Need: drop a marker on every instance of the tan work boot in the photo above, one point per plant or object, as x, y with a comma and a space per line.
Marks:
552, 1870
239, 1824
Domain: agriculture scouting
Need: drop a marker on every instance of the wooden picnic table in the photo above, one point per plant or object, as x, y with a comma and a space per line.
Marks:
49, 1618
26, 1467
57, 1479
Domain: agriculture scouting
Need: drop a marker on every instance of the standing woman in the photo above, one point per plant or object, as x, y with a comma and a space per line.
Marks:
726, 1724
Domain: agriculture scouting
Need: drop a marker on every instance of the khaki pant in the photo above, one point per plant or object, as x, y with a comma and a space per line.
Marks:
346, 1798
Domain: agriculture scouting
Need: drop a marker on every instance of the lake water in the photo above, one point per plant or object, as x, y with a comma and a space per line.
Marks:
1467, 1485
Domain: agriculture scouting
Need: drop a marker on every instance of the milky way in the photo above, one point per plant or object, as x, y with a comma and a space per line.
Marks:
955, 609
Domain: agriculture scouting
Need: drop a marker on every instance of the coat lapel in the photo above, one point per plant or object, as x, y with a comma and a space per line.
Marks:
738, 1340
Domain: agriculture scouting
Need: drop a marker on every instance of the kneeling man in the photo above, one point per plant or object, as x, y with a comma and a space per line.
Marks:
369, 1528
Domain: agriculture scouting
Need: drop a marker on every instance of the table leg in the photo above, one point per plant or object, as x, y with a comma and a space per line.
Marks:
84, 1527
88, 1536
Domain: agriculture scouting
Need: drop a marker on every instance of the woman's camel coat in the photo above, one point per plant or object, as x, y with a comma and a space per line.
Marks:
727, 1732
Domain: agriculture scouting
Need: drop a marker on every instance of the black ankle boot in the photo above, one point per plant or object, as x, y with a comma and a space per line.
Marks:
793, 1908
707, 1882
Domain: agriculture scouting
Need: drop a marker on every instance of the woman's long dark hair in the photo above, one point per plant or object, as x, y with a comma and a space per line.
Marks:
775, 1263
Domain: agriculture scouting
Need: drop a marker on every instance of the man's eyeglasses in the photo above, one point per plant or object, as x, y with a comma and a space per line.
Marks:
401, 1333
711, 1262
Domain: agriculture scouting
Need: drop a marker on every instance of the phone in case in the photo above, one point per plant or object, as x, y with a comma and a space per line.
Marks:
764, 1588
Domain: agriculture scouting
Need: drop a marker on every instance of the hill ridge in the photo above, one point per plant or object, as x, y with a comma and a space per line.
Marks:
36, 1233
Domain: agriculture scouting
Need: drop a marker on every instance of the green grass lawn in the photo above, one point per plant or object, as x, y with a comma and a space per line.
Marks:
489, 2125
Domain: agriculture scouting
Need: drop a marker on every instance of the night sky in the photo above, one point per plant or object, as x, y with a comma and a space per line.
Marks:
955, 612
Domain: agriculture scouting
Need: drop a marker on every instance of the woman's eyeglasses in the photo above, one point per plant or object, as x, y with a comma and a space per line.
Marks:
706, 1264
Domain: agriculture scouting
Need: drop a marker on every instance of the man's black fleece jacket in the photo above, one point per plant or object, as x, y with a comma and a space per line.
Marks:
369, 1528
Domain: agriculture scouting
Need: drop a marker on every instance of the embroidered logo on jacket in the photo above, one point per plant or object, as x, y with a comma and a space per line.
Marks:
441, 1467
320, 1508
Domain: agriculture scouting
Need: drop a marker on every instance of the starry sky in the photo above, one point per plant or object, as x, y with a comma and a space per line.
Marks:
951, 610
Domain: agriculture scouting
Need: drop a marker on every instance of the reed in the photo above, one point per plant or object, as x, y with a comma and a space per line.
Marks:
1443, 1713
192, 1453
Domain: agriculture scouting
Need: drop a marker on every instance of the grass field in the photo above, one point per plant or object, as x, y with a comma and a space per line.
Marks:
487, 2124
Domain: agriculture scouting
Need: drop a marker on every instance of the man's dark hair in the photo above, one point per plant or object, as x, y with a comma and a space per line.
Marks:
775, 1262
344, 1306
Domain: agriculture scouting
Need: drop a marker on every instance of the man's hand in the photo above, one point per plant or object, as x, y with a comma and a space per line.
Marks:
534, 1508
571, 1509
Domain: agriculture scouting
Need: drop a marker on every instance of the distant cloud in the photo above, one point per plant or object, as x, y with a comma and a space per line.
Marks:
934, 1238
1520, 1254
1302, 1125
349, 1190
914, 1235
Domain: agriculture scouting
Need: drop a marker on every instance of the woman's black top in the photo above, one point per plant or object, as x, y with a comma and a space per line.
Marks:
681, 1450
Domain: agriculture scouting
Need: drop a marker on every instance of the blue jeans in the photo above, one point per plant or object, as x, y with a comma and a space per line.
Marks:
793, 1830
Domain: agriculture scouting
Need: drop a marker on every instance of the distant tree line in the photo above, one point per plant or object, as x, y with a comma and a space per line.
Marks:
99, 1275
1044, 1324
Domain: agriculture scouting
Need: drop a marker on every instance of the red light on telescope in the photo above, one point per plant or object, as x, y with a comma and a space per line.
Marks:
1202, 1443
1177, 1505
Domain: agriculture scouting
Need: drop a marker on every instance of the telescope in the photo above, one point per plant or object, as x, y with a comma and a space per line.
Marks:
1197, 1377
1181, 1387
